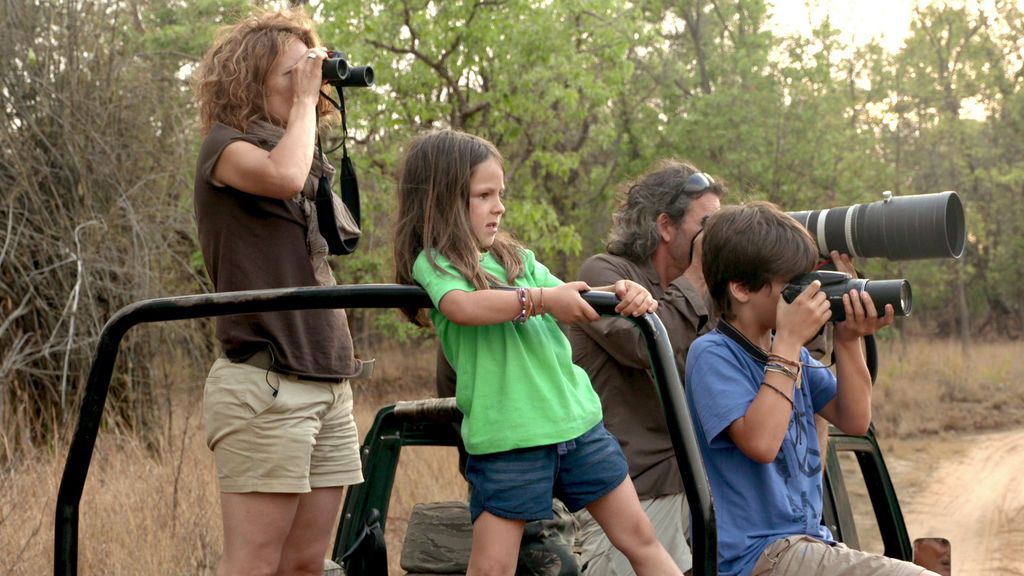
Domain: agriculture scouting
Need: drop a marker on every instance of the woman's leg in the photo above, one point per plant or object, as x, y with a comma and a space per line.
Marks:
256, 525
495, 546
311, 532
623, 520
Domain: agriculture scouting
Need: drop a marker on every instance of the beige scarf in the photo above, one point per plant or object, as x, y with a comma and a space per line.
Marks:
268, 136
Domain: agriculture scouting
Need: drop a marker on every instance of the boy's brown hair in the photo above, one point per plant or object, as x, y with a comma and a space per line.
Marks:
753, 244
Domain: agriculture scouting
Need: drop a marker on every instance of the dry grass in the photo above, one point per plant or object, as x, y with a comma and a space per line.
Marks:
159, 514
146, 514
930, 387
139, 514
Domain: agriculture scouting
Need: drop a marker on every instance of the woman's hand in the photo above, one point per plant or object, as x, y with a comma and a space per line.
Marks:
307, 76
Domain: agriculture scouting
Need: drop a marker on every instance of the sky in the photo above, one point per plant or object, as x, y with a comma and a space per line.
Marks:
859, 21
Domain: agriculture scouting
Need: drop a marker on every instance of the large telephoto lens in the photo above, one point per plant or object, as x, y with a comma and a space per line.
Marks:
897, 228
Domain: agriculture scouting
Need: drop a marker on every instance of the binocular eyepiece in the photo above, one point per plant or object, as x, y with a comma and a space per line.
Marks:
337, 72
835, 284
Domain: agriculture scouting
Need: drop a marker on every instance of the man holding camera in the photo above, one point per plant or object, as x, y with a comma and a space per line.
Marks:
655, 241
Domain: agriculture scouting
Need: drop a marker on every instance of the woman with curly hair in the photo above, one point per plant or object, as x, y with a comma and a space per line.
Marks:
277, 406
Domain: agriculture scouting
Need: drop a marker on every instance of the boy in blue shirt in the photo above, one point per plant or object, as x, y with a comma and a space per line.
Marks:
754, 396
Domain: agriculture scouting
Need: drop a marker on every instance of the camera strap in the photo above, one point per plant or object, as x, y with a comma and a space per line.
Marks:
341, 233
753, 350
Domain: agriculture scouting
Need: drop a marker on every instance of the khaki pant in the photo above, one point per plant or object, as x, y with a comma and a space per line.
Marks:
805, 556
668, 514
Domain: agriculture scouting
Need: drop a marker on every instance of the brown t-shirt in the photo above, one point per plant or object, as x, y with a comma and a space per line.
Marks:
254, 242
614, 354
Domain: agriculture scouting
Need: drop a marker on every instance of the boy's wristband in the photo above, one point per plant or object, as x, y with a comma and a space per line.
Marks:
780, 393
783, 360
786, 371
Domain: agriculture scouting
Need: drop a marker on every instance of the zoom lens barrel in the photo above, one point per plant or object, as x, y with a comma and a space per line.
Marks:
897, 228
835, 284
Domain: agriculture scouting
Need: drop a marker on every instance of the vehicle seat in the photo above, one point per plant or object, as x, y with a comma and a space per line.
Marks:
437, 539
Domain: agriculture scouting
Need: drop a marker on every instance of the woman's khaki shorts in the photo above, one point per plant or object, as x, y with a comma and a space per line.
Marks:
303, 437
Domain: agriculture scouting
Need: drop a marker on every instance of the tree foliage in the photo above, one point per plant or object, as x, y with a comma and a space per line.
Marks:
98, 143
96, 151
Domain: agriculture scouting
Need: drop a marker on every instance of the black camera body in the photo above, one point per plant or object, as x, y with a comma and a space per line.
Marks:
337, 71
835, 284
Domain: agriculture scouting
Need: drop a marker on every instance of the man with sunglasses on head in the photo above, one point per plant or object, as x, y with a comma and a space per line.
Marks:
654, 241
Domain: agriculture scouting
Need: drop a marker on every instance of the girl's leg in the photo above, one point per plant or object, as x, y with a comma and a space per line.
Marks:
495, 546
623, 520
311, 532
256, 525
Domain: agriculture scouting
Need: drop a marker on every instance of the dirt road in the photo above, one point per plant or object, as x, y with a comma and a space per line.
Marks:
974, 496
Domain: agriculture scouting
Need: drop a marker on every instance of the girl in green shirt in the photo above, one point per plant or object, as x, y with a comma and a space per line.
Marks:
531, 420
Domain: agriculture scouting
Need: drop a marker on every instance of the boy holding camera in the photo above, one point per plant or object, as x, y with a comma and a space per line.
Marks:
754, 395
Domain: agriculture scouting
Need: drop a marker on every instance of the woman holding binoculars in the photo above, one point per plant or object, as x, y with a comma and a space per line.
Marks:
277, 407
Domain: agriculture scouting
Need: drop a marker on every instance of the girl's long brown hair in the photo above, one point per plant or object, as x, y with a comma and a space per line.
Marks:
230, 79
433, 210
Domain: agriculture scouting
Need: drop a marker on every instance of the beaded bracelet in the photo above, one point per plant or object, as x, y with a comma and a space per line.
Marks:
521, 317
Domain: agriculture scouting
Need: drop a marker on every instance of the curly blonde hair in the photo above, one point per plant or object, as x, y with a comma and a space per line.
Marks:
229, 82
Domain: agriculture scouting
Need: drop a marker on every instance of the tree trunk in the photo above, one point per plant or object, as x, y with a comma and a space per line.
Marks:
962, 311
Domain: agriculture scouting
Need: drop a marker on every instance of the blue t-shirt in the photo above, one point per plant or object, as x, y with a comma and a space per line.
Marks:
755, 504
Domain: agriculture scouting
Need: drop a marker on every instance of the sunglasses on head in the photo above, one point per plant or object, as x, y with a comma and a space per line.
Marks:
696, 184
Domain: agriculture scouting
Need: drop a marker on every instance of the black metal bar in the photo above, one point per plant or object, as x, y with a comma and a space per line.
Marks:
704, 545
704, 534
76, 467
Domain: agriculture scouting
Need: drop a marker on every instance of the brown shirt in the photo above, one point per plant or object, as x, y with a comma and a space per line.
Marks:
613, 352
254, 242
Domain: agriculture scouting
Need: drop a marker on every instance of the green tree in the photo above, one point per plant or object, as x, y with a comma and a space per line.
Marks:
540, 80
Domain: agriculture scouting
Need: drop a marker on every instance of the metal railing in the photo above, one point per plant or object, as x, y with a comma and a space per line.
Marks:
76, 468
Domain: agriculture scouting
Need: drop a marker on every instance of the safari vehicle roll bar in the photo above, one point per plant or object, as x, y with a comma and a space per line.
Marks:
76, 467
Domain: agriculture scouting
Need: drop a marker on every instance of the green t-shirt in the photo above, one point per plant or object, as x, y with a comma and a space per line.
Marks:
517, 386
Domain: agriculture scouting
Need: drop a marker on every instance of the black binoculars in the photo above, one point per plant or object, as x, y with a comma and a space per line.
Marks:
835, 284
337, 72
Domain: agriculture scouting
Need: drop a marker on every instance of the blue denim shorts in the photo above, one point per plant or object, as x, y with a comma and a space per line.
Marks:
519, 484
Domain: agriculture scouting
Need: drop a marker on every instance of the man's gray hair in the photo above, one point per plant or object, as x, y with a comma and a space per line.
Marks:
634, 233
